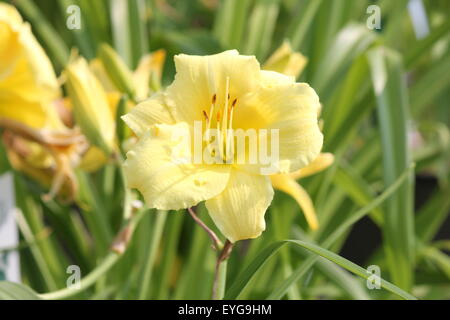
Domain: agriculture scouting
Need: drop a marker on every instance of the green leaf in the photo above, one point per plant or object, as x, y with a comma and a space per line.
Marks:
301, 23
144, 287
16, 291
432, 215
81, 36
440, 259
358, 189
233, 292
423, 46
261, 27
138, 29
121, 29
229, 25
349, 106
433, 83
392, 106
348, 44
347, 282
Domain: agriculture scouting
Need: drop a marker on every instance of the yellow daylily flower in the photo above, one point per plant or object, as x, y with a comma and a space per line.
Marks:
225, 90
288, 184
286, 61
28, 84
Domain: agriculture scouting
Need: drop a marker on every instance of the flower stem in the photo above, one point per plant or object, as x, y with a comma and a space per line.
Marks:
220, 278
217, 244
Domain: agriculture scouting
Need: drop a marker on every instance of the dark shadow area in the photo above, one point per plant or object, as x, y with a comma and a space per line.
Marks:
365, 236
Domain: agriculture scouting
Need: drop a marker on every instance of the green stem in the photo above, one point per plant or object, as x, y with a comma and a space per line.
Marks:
221, 280
151, 255
87, 281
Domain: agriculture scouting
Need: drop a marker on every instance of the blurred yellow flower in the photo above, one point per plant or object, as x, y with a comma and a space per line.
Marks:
286, 61
28, 85
38, 142
223, 91
148, 74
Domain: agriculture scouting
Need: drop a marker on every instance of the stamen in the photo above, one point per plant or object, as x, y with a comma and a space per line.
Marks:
205, 115
225, 116
218, 117
211, 110
230, 140
219, 136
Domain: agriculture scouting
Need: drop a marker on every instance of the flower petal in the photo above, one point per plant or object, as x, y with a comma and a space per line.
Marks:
291, 108
35, 114
10, 49
148, 113
239, 210
25, 69
159, 167
323, 161
28, 84
286, 184
39, 66
271, 78
198, 78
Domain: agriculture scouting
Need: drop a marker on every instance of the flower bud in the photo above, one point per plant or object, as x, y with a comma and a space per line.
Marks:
90, 105
286, 61
117, 70
28, 84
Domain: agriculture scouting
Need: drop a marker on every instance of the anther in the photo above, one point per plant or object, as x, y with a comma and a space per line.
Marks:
214, 97
205, 115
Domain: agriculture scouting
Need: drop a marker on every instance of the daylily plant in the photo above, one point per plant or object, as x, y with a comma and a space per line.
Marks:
223, 91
